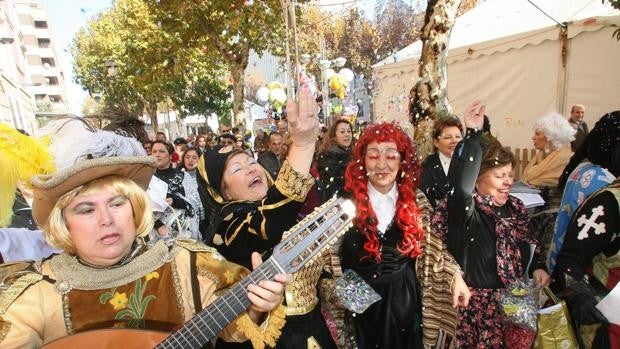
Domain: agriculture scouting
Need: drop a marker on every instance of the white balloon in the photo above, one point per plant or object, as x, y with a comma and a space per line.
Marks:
262, 95
347, 74
329, 73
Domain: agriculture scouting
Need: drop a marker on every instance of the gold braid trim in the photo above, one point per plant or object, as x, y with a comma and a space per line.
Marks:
8, 296
292, 183
194, 246
269, 335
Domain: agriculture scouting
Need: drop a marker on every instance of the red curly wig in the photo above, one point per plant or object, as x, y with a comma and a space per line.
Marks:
407, 212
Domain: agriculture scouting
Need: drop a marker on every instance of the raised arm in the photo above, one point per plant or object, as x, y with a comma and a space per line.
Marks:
465, 165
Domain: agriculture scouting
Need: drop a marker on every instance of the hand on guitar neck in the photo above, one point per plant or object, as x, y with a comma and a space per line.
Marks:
266, 295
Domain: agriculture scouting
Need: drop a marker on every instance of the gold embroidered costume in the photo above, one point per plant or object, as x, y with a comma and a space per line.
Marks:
61, 296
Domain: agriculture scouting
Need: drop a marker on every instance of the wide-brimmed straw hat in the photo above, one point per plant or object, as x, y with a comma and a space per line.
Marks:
49, 188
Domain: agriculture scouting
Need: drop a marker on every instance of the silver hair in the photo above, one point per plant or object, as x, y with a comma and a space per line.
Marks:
556, 128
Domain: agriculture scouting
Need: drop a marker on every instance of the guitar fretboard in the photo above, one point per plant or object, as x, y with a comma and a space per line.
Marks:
205, 326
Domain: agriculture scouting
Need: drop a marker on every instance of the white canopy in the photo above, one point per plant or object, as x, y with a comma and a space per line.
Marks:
509, 54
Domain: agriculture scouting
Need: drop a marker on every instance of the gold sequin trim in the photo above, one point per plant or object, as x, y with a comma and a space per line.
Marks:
66, 268
203, 272
66, 312
176, 280
8, 296
293, 184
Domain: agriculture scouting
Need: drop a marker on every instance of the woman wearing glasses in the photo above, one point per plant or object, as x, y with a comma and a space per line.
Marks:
447, 133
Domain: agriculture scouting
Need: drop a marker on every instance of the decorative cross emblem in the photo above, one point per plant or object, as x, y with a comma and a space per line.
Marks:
587, 223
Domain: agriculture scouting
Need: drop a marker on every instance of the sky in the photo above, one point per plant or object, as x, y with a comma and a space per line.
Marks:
66, 17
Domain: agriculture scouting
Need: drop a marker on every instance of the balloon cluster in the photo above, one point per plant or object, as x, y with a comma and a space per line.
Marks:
273, 94
338, 83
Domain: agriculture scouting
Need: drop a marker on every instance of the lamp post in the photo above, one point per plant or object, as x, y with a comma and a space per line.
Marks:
324, 64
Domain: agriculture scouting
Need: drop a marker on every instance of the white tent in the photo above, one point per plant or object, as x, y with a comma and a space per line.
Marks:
513, 57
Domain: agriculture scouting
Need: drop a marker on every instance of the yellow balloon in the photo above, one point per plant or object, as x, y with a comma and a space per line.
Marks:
274, 84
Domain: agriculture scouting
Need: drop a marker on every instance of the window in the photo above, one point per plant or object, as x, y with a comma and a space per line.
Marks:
48, 62
51, 80
55, 99
39, 97
44, 43
40, 24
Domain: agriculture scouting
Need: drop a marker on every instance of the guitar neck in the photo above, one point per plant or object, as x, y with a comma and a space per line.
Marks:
205, 326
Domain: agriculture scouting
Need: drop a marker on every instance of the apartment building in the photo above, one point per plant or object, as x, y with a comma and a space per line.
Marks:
31, 78
17, 107
47, 80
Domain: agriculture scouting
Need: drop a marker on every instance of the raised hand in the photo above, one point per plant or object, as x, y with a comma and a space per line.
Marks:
474, 115
303, 119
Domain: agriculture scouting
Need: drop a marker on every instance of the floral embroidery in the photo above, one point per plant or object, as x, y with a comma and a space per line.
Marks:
153, 275
134, 307
119, 301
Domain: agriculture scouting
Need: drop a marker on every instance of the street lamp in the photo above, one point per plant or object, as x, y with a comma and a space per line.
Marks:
324, 64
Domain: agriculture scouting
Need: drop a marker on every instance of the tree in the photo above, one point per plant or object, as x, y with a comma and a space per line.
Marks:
428, 97
152, 64
228, 29
111, 40
398, 25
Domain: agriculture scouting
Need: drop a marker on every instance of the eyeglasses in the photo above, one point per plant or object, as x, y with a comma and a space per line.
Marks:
390, 153
227, 142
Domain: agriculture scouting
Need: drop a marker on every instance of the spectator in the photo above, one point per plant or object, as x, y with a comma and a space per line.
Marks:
166, 225
226, 139
552, 135
161, 137
148, 147
201, 143
577, 113
447, 133
188, 165
180, 145
282, 126
335, 157
271, 159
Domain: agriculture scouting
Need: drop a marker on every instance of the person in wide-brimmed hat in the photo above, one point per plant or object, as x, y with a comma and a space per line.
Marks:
97, 212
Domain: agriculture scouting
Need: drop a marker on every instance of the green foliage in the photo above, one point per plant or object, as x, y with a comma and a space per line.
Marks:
151, 63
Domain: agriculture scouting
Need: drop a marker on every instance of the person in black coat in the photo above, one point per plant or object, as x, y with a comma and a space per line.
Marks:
447, 133
333, 160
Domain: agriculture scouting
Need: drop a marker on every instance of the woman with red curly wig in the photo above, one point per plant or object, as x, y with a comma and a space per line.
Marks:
390, 247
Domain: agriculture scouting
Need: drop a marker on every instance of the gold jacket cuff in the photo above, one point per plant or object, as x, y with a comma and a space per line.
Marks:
293, 184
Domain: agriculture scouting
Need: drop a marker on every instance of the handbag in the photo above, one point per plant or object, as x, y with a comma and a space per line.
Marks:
555, 329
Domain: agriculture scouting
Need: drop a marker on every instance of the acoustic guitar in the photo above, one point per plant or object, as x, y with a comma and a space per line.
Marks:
311, 235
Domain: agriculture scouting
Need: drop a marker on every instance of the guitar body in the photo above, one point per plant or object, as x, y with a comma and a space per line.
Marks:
110, 339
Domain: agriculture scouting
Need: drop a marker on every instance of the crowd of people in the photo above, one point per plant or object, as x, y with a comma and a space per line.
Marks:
147, 234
